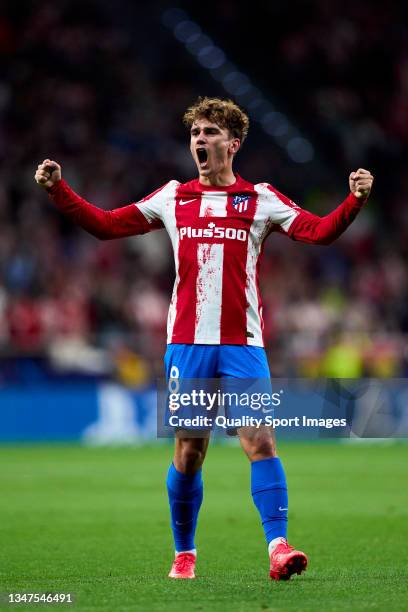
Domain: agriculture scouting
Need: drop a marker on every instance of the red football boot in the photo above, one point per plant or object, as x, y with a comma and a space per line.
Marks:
183, 566
285, 561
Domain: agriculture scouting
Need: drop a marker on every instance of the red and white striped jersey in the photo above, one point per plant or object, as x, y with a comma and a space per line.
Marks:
217, 235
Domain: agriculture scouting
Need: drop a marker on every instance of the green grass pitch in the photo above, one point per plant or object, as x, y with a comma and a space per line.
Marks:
94, 522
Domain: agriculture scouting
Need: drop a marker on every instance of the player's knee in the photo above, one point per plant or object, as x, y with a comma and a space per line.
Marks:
189, 459
259, 447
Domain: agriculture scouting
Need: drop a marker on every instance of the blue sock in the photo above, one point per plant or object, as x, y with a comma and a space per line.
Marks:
270, 495
185, 497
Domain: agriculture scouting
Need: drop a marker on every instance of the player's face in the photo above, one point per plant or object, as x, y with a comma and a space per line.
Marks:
212, 147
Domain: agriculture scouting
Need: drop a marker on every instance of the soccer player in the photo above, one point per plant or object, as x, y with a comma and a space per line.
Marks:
217, 224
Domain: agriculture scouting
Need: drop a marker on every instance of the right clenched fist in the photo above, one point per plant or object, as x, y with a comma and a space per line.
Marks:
48, 173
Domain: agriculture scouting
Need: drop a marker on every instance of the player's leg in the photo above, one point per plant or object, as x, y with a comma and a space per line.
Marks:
185, 489
268, 480
184, 478
270, 495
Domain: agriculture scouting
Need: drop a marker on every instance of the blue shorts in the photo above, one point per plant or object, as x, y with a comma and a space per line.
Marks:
215, 361
243, 371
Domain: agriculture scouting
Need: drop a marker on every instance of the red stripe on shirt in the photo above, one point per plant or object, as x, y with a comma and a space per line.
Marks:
234, 280
258, 268
186, 302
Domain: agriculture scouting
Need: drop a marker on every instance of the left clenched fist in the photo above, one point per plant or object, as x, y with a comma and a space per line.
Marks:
361, 182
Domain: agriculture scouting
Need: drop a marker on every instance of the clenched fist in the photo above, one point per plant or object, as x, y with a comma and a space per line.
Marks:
361, 183
48, 173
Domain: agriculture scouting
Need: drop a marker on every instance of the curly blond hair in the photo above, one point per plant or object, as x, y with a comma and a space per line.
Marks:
225, 113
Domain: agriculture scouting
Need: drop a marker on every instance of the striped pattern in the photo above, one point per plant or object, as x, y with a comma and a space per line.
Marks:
217, 237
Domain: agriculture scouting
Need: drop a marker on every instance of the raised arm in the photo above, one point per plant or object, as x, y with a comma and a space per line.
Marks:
312, 229
105, 225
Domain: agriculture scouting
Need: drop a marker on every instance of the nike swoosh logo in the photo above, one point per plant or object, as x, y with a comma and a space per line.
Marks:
186, 523
282, 509
184, 202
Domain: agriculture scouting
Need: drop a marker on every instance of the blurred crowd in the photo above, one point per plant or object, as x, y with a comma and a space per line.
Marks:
102, 92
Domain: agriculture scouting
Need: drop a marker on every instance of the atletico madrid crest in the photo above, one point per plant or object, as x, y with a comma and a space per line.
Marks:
240, 202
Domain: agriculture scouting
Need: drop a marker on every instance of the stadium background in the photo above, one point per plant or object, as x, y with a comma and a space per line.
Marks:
84, 84
326, 90
101, 88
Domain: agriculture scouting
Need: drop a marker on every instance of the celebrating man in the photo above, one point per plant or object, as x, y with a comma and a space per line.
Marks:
217, 224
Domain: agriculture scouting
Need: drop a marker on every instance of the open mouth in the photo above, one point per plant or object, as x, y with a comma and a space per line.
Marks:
202, 155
